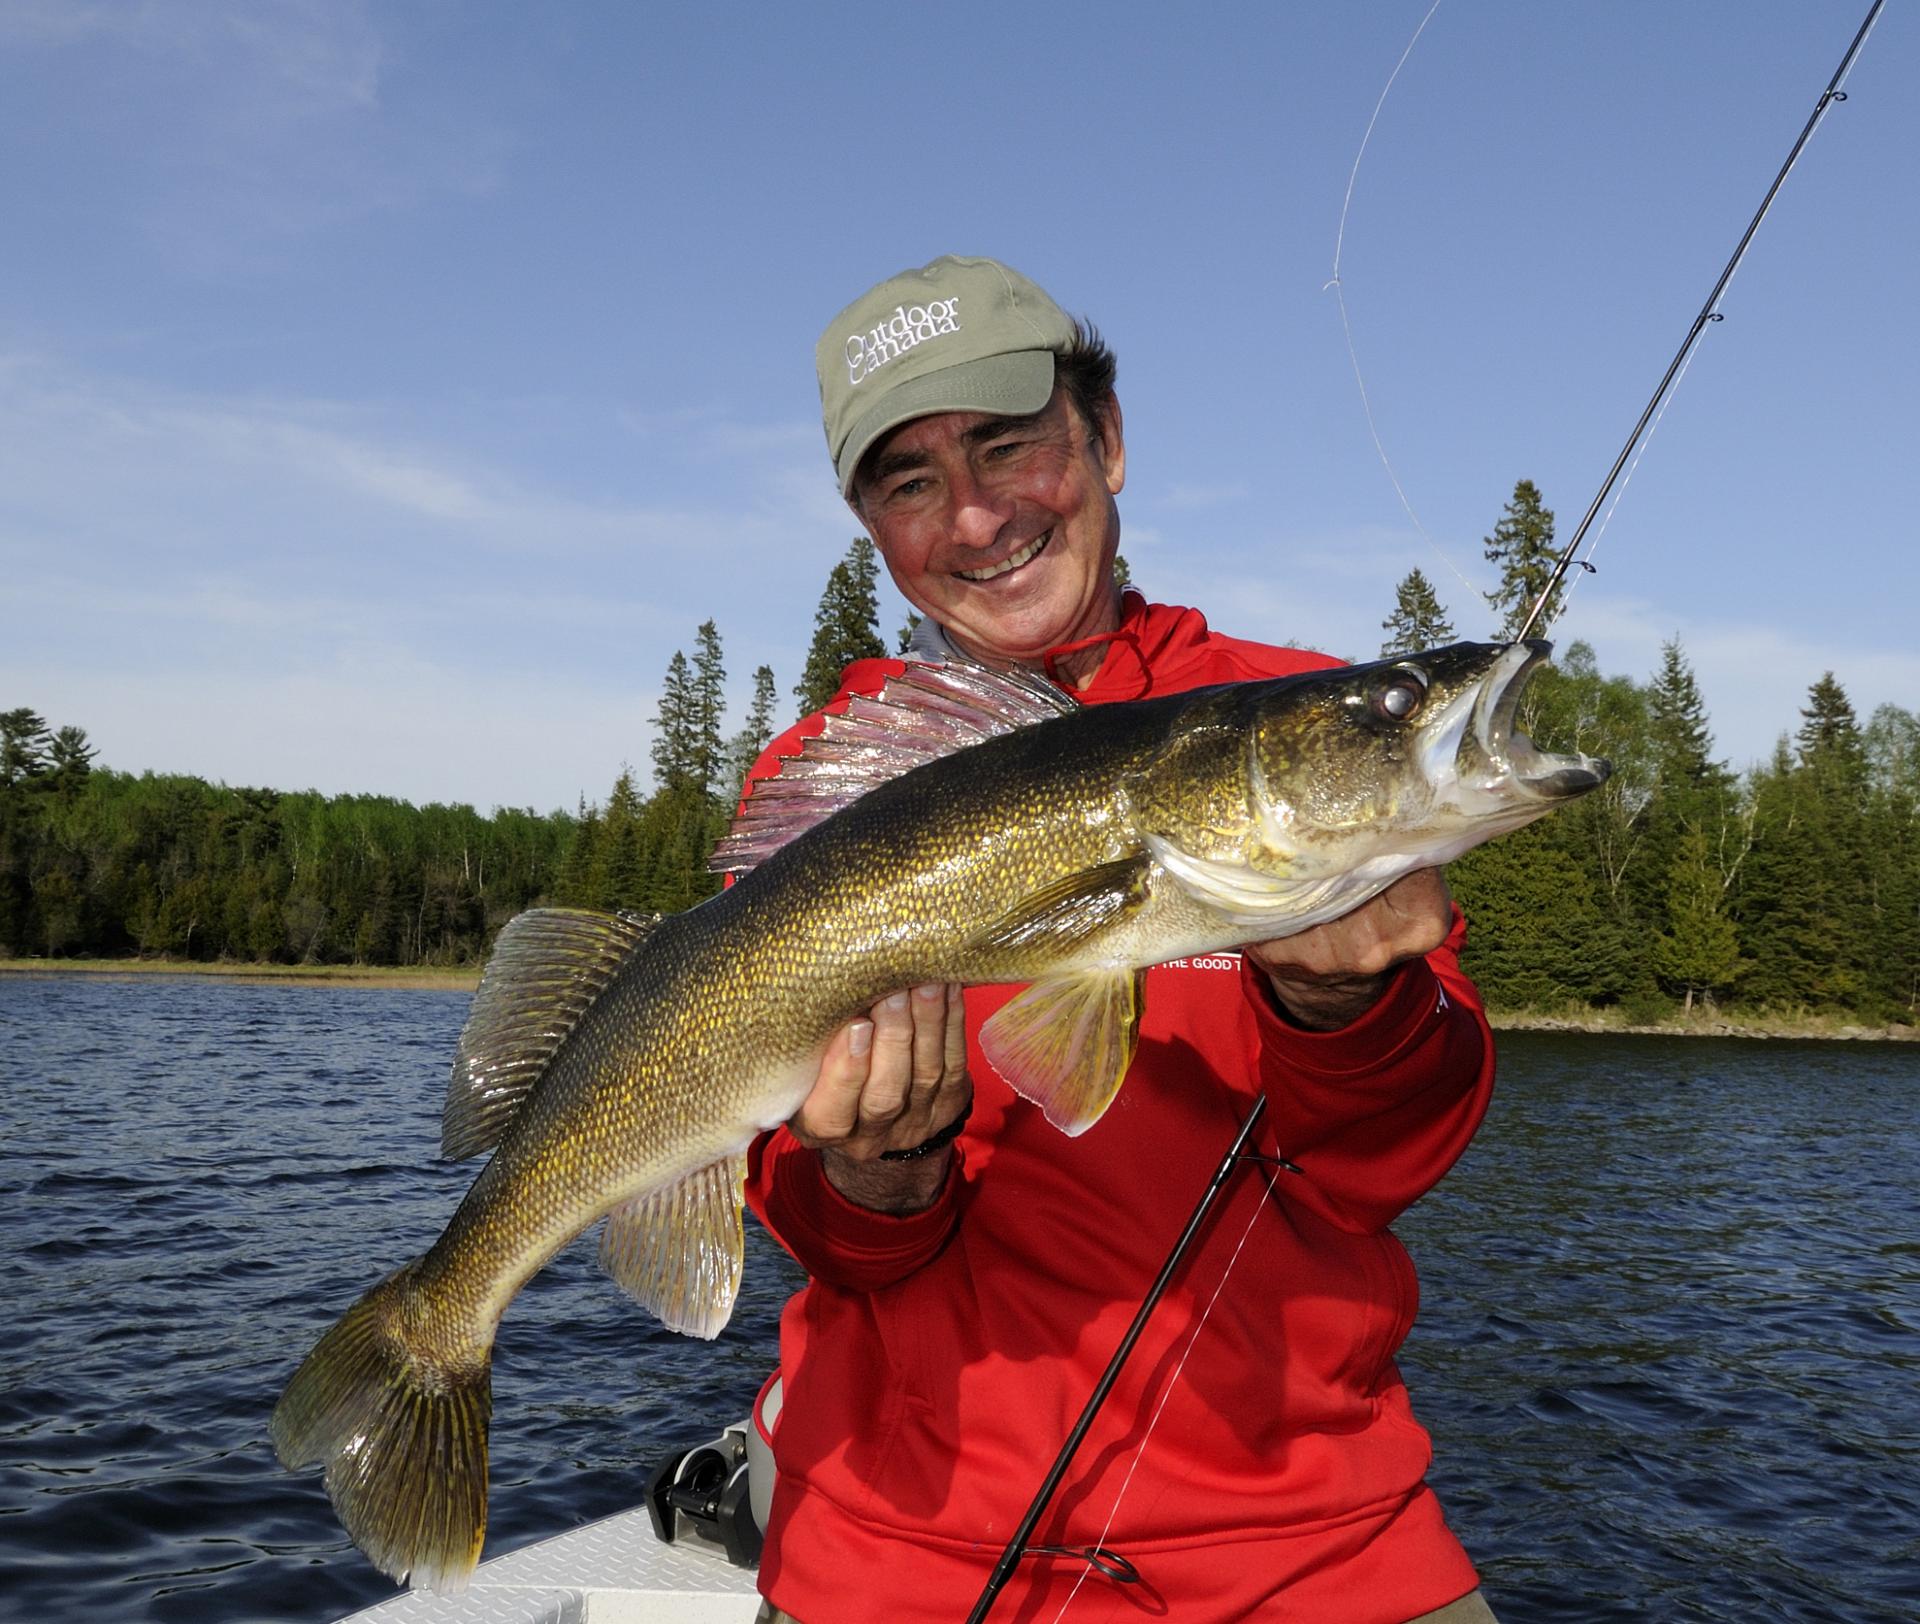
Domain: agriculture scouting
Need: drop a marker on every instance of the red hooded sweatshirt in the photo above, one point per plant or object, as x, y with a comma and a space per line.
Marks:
1259, 1457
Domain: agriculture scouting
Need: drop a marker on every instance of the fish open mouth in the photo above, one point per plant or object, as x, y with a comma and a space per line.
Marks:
1511, 760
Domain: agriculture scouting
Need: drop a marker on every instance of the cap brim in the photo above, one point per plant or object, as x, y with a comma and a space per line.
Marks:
1013, 384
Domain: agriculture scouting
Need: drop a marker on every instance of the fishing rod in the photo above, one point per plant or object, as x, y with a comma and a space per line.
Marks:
1708, 315
1116, 1567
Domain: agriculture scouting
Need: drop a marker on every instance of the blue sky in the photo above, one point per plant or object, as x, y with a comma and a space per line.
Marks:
386, 392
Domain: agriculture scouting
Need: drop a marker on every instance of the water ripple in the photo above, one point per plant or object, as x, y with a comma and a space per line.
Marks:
1669, 1344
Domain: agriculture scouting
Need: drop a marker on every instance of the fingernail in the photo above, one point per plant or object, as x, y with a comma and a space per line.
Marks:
897, 1001
860, 1037
931, 992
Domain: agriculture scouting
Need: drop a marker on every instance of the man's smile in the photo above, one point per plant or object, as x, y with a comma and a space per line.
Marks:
1011, 562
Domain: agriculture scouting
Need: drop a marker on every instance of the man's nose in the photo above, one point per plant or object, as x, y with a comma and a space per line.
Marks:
979, 512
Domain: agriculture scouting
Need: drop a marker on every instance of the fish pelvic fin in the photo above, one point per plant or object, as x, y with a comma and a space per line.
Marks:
678, 1249
928, 711
547, 966
1066, 1042
403, 1436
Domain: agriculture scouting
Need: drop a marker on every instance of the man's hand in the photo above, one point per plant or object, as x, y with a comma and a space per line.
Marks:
890, 1081
1331, 975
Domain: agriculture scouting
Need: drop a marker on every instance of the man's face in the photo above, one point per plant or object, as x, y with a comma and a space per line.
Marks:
1001, 529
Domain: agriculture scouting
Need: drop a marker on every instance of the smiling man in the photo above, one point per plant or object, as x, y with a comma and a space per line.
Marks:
971, 1269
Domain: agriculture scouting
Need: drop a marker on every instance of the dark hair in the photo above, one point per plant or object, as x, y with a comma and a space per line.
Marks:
1086, 369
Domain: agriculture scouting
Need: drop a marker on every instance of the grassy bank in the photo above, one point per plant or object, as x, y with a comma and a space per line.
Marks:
447, 979
1718, 1023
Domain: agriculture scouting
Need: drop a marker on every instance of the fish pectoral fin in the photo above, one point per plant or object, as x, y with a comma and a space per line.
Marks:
1073, 910
1065, 1043
548, 965
678, 1250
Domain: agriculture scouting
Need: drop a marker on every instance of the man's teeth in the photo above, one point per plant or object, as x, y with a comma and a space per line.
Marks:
1012, 562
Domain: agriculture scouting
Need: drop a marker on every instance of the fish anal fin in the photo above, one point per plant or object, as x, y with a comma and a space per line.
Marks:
678, 1250
1073, 910
547, 966
1065, 1043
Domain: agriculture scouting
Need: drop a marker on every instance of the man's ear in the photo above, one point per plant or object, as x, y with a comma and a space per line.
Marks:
1113, 446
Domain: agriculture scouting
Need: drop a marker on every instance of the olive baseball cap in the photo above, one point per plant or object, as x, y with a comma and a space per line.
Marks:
959, 335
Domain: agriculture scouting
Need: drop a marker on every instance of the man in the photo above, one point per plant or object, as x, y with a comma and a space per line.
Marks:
972, 1269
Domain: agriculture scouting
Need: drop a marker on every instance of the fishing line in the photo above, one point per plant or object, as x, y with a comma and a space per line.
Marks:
1173, 1381
1017, 1545
1708, 315
1346, 322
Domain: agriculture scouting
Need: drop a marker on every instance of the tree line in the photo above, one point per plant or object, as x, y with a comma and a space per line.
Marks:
1793, 886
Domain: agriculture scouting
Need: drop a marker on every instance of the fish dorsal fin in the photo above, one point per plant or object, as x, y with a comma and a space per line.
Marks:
1066, 1042
926, 712
677, 1251
547, 966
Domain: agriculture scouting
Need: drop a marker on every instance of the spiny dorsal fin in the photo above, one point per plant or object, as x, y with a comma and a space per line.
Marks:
678, 1250
547, 966
1065, 1043
926, 712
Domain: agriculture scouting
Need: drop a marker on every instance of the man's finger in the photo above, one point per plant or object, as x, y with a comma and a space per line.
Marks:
831, 1109
890, 1071
929, 1039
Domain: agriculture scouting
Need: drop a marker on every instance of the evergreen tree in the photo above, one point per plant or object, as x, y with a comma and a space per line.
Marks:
1522, 546
907, 628
628, 851
1122, 571
1699, 951
845, 626
676, 750
1690, 790
69, 760
1682, 741
1417, 620
709, 762
1829, 738
23, 746
752, 738
1806, 906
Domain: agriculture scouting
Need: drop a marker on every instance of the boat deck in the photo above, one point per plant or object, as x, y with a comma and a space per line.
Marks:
610, 1572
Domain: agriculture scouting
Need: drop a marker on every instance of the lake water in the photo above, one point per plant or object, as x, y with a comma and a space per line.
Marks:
1669, 1348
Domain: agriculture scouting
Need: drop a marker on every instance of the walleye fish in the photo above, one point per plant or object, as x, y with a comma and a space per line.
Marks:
963, 826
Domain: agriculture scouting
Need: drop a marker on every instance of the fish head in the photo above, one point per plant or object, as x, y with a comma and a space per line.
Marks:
1304, 795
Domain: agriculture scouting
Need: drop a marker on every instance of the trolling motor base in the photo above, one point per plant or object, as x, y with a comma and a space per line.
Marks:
701, 1496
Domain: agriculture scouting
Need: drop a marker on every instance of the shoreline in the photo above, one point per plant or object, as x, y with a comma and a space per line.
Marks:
433, 978
446, 978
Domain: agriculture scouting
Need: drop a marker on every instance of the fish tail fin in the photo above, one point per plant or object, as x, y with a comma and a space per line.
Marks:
404, 1437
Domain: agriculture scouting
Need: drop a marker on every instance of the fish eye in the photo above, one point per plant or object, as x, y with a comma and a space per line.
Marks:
1401, 694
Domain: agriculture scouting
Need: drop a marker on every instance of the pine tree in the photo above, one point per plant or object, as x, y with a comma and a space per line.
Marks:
1830, 742
708, 756
845, 626
907, 628
1806, 906
69, 760
1122, 571
752, 738
23, 746
1417, 620
675, 738
1522, 546
627, 850
1682, 740
1699, 951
